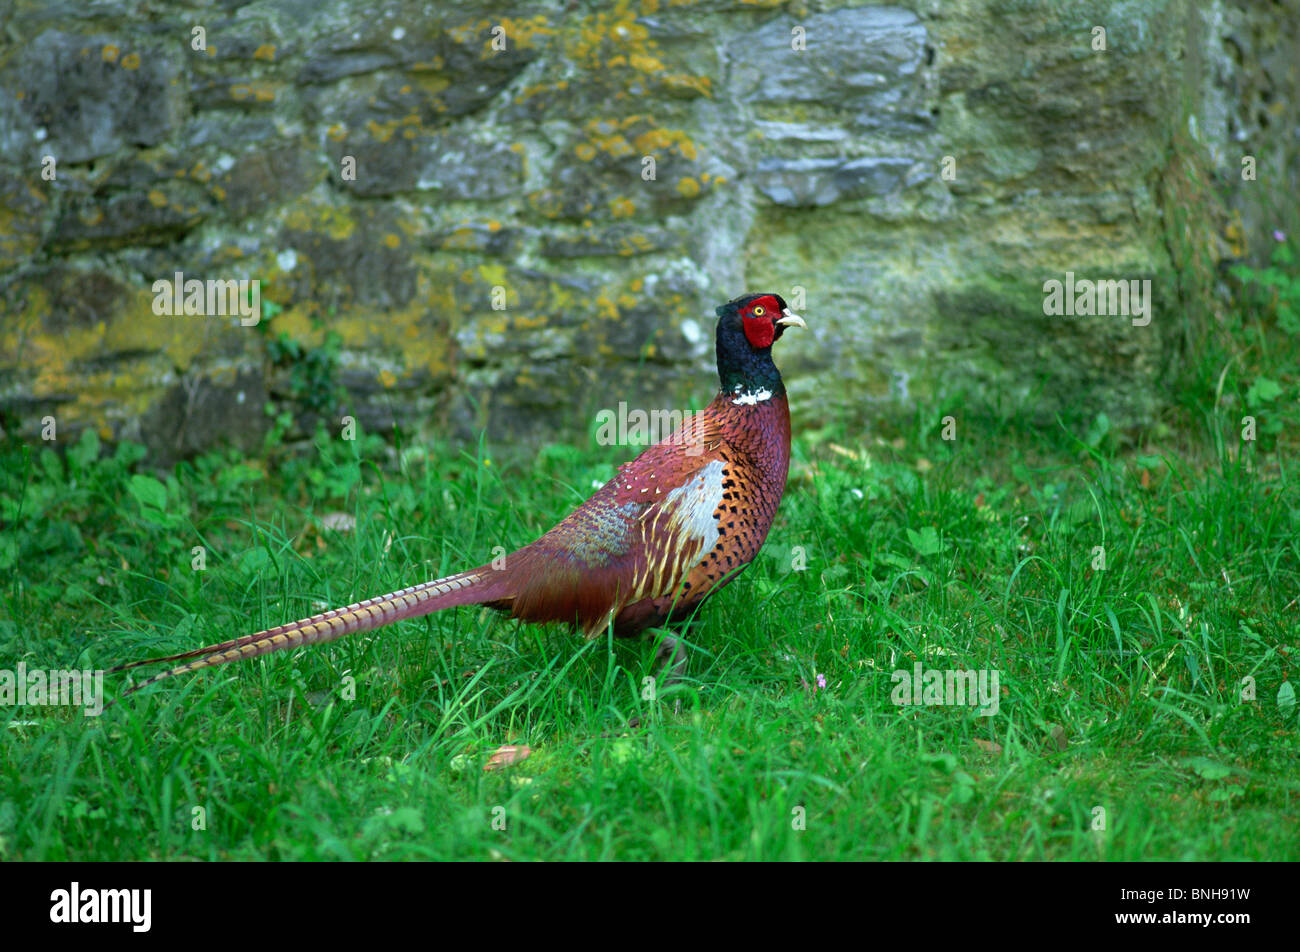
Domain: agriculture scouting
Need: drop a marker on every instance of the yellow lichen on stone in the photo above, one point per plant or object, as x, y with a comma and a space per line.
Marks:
109, 53
636, 244
606, 308
687, 187
382, 131
617, 45
16, 241
157, 199
130, 390
672, 140
686, 82
259, 92
131, 61
299, 324
428, 76
1236, 235
331, 219
645, 63
493, 274
460, 238
525, 32
618, 29
265, 52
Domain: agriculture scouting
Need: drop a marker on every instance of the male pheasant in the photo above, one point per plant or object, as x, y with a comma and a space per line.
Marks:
675, 525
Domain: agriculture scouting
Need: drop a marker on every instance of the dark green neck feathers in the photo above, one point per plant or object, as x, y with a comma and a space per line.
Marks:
743, 368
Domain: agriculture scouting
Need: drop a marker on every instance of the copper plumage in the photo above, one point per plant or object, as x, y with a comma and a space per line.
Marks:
673, 527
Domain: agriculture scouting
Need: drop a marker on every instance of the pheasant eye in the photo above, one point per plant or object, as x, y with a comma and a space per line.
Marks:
758, 311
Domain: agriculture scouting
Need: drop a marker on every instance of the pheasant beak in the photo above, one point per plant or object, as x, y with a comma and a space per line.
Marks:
789, 317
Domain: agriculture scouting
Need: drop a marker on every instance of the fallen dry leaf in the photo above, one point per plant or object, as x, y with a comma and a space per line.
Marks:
507, 754
338, 521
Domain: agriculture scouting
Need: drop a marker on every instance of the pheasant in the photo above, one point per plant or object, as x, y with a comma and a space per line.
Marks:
674, 526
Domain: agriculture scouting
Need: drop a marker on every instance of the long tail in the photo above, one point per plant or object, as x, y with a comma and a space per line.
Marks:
477, 586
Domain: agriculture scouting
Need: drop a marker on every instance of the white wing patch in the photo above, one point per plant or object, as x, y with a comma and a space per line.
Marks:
691, 506
681, 529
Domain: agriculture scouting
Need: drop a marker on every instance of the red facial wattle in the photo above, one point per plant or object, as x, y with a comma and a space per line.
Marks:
759, 320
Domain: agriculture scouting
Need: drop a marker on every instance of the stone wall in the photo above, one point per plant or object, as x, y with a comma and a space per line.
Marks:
450, 211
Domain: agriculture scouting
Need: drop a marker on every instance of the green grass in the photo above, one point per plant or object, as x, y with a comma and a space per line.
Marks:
1122, 731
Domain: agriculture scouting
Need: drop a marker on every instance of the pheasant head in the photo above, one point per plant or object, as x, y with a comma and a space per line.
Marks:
747, 328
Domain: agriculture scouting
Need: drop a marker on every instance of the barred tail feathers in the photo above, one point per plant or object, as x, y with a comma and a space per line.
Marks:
466, 588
